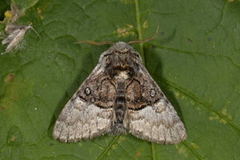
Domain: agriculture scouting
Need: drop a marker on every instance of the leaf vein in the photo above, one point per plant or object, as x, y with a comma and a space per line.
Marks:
108, 148
204, 104
196, 154
198, 53
139, 28
153, 150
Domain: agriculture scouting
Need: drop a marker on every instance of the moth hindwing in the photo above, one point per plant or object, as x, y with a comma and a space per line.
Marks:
119, 96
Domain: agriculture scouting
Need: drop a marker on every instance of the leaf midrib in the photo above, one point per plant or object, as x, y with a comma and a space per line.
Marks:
140, 37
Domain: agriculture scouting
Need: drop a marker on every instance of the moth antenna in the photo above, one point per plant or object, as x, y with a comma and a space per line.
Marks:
95, 43
147, 39
31, 27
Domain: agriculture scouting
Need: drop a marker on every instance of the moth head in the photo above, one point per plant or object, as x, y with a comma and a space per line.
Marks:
121, 47
122, 50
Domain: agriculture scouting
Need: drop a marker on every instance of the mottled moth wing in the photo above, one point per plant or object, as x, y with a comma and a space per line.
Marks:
86, 114
157, 121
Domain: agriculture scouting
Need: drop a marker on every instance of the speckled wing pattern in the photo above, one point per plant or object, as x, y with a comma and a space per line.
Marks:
80, 118
119, 97
157, 122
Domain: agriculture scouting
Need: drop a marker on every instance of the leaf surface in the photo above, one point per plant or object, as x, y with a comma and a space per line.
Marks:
195, 59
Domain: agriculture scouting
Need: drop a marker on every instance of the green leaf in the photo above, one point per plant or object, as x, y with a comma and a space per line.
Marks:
3, 7
195, 58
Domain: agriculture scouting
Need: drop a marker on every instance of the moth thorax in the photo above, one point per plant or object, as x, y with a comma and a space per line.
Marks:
122, 75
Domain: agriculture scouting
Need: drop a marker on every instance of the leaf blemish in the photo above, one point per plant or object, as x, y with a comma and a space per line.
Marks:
214, 117
225, 113
182, 150
125, 31
39, 11
145, 24
2, 108
138, 154
221, 120
194, 145
9, 78
12, 139
179, 95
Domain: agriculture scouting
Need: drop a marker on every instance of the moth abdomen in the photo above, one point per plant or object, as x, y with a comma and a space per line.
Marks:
119, 111
120, 108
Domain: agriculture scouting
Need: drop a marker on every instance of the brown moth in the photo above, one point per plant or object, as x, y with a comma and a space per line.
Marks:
119, 96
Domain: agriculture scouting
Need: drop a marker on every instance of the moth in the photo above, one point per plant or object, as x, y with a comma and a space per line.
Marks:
15, 36
118, 97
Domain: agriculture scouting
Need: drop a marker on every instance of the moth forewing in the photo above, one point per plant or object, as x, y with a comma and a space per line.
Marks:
81, 119
120, 96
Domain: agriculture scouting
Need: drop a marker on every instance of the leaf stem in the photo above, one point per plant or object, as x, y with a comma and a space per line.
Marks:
153, 151
139, 28
108, 148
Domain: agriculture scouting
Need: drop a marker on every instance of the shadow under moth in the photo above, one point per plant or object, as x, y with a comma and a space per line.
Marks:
118, 97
